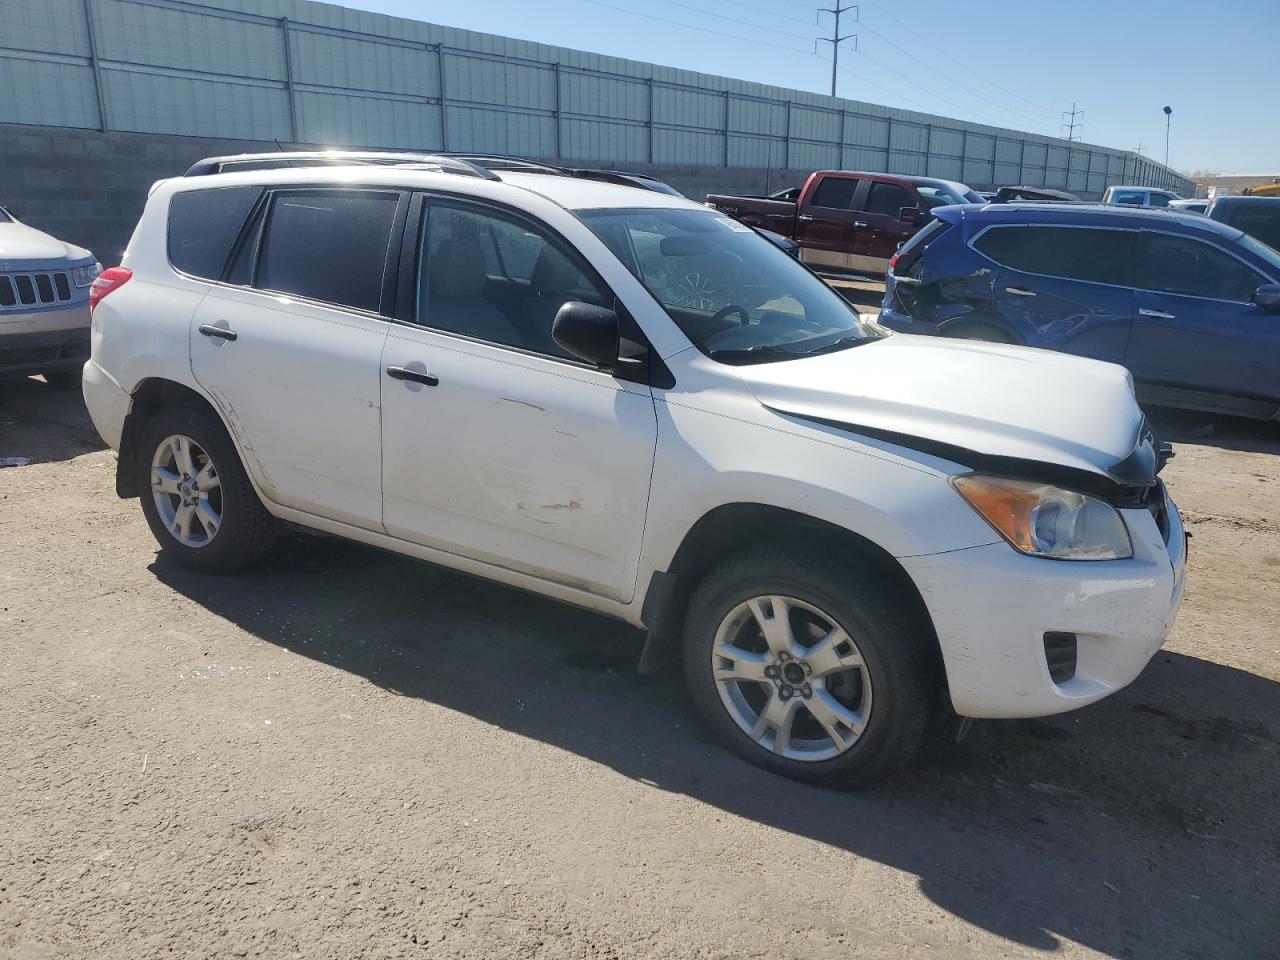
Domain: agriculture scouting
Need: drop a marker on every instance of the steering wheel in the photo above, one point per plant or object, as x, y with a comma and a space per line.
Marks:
724, 312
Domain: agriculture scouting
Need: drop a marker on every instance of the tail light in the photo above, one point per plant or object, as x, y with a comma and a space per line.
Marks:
893, 261
108, 281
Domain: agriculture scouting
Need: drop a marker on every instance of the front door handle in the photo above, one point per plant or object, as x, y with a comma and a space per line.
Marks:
1019, 292
805, 217
222, 333
413, 376
1155, 314
859, 223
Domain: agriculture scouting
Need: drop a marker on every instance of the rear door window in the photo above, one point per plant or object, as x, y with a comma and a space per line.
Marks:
328, 245
1074, 253
888, 199
203, 226
1192, 268
835, 193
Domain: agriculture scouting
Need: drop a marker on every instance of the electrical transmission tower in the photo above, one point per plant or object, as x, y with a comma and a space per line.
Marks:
1071, 124
835, 39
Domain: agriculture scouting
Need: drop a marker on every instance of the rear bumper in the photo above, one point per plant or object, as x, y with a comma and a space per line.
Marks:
107, 402
44, 351
992, 606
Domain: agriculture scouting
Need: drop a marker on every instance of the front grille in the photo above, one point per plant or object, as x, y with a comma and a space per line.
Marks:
18, 290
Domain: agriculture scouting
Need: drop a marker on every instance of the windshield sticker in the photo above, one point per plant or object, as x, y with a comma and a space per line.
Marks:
734, 225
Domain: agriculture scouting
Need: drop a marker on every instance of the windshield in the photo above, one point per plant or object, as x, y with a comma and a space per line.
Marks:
734, 294
943, 194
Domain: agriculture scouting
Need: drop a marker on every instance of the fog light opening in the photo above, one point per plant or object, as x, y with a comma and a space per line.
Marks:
1060, 655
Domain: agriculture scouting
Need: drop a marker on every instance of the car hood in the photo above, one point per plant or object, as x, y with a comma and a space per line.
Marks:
984, 405
18, 242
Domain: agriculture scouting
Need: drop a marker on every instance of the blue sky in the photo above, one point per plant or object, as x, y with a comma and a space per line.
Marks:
1015, 64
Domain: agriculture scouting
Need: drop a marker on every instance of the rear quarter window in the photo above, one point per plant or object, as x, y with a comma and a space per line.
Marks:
203, 226
1095, 254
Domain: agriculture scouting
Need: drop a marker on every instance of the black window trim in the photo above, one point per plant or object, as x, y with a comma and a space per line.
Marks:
652, 373
1209, 243
1131, 267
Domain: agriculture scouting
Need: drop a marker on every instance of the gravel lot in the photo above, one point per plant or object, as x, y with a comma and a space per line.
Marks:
348, 754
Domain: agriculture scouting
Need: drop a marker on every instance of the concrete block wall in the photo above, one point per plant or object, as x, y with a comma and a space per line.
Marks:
89, 188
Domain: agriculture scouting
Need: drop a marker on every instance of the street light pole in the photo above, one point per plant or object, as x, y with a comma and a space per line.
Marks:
1168, 118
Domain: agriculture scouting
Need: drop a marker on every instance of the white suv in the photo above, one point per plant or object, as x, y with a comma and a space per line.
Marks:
624, 400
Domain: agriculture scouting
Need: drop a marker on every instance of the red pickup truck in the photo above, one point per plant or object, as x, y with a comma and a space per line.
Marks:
848, 222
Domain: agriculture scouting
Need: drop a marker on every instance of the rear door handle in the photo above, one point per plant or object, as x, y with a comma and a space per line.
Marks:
1019, 292
413, 376
1155, 314
805, 217
222, 333
859, 223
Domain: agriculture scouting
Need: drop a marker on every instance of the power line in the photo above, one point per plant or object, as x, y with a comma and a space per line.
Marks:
690, 26
897, 94
745, 23
835, 40
1022, 112
773, 13
967, 108
952, 57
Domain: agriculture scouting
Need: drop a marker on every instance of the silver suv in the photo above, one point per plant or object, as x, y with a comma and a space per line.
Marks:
44, 303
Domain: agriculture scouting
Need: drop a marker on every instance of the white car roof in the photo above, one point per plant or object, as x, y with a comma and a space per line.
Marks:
574, 193
571, 193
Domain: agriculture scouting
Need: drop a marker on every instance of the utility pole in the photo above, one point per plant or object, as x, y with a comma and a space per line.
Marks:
1071, 124
1168, 119
835, 39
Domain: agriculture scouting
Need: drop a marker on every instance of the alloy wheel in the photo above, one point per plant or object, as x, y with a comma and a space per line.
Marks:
187, 491
791, 678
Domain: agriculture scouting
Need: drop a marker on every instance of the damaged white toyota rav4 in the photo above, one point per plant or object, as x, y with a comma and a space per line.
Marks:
626, 401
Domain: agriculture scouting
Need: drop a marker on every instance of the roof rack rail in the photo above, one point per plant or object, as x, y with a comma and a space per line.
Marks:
282, 159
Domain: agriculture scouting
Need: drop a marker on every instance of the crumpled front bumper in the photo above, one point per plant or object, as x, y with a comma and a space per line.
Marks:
991, 607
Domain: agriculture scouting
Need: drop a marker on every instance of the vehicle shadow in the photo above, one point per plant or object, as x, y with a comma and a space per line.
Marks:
1143, 827
1215, 430
42, 424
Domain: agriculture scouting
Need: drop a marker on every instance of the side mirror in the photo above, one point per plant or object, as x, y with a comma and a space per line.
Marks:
587, 332
911, 214
1267, 297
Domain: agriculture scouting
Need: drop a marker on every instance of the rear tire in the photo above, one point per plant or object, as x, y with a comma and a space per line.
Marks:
859, 685
196, 496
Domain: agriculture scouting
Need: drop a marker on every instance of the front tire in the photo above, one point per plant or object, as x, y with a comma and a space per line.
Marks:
196, 496
810, 666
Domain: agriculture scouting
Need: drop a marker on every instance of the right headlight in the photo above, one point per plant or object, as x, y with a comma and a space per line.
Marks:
1042, 520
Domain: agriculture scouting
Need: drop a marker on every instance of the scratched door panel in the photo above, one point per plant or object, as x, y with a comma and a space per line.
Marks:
511, 458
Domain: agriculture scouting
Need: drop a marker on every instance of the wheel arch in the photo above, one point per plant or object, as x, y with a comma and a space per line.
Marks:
957, 326
729, 528
150, 396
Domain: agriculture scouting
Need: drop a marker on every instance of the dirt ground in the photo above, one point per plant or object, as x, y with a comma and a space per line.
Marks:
348, 754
